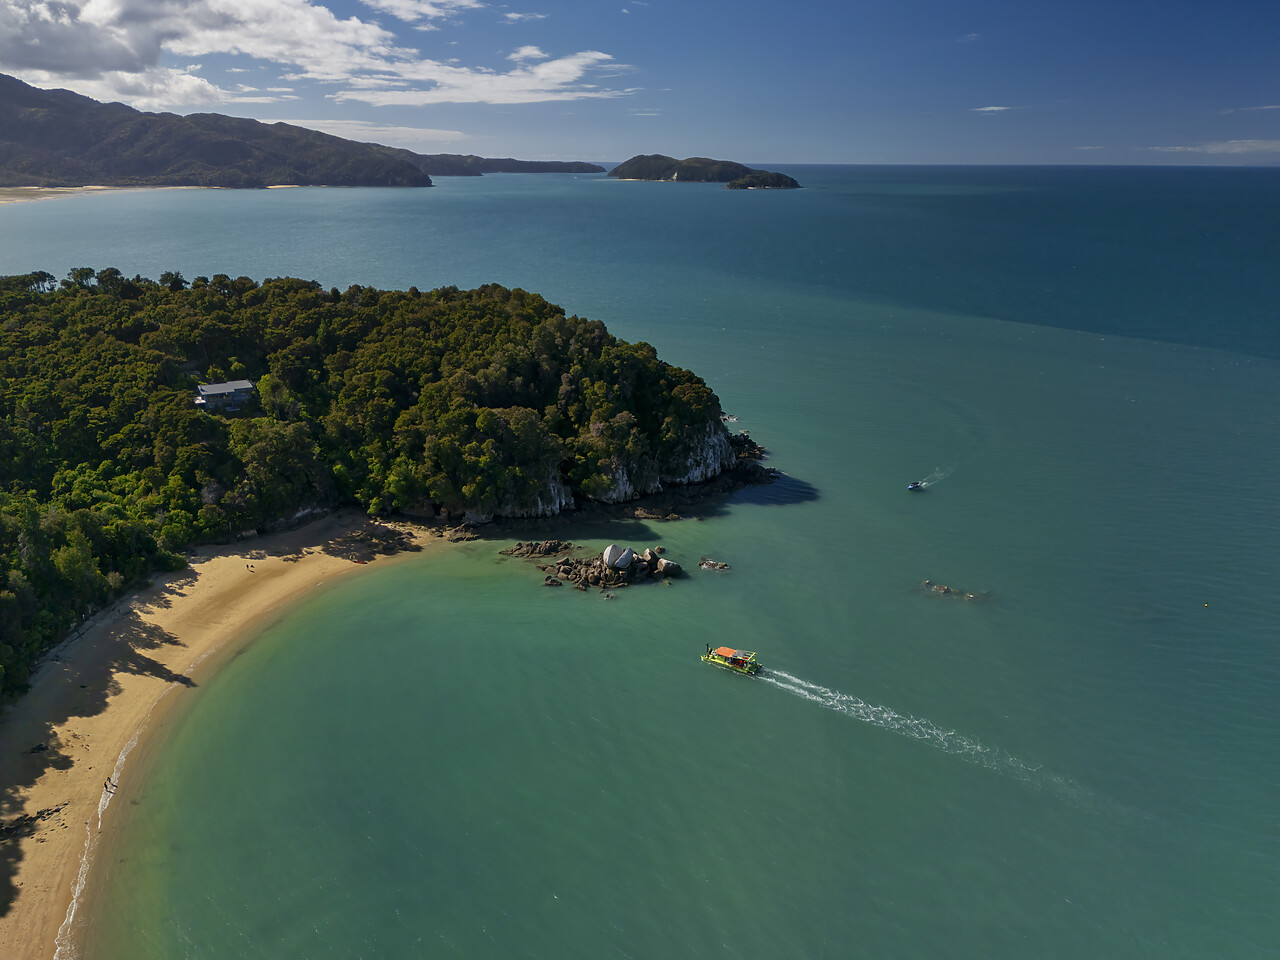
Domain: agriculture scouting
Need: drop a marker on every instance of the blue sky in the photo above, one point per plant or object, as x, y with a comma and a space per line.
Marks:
916, 81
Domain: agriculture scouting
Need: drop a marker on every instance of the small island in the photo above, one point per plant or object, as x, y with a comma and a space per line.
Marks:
736, 176
763, 180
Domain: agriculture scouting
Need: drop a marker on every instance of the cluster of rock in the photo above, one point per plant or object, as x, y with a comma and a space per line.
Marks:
537, 548
706, 563
944, 591
615, 567
743, 447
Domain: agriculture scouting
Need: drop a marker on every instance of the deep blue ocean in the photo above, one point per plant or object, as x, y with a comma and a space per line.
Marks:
442, 758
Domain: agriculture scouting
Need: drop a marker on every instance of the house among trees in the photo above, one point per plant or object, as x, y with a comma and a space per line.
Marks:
223, 396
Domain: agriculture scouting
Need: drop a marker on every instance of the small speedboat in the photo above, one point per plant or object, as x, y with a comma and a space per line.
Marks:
916, 486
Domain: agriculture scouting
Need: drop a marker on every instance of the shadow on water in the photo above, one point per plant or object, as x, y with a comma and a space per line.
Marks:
641, 521
784, 491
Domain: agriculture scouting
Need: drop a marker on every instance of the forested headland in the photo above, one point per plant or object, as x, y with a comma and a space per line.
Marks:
657, 166
486, 402
56, 138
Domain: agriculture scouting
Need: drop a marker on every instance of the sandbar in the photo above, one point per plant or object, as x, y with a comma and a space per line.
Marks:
64, 744
20, 194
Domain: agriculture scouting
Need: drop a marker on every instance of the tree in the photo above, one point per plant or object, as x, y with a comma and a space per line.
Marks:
172, 281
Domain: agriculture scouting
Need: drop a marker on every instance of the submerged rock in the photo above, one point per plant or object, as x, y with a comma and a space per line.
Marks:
942, 590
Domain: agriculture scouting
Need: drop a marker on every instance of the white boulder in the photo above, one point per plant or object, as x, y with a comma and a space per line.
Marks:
619, 558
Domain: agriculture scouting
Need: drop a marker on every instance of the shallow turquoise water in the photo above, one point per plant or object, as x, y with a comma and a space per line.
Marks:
443, 758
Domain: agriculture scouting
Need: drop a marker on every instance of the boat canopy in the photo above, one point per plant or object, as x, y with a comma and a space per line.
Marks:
731, 654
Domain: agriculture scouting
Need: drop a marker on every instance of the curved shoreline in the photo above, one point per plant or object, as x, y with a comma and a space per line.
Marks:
102, 693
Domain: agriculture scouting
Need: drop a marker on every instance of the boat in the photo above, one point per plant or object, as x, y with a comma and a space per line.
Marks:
739, 661
916, 486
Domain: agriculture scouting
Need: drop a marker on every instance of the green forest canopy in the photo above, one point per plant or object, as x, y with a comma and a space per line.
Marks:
448, 401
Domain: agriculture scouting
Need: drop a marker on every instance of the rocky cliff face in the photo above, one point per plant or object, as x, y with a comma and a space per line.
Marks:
705, 456
552, 499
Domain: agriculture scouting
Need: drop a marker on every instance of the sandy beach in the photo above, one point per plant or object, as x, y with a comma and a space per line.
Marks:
21, 194
65, 744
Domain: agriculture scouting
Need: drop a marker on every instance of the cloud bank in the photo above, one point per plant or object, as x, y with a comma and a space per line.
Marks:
125, 50
1225, 146
385, 133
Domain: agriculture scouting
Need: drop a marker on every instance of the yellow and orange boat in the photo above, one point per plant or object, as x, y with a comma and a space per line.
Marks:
739, 661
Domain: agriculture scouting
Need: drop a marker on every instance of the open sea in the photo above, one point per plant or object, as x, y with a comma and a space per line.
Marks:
442, 758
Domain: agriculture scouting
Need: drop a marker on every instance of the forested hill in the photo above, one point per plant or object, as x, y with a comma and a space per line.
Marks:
487, 401
469, 165
59, 138
52, 138
656, 166
700, 169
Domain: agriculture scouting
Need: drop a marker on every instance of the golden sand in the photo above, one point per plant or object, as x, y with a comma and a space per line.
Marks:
63, 745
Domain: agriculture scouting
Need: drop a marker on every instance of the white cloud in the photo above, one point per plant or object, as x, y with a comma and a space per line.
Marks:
157, 88
117, 50
528, 53
384, 133
1269, 106
434, 82
1225, 147
1091, 148
413, 10
989, 109
521, 17
97, 39
967, 38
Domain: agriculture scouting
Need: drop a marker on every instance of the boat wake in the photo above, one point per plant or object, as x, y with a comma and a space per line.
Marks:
926, 731
937, 476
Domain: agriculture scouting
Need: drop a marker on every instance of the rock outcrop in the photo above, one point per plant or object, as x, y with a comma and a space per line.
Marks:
615, 567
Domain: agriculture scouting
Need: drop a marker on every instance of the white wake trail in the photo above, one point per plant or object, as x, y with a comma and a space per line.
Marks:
926, 731
939, 474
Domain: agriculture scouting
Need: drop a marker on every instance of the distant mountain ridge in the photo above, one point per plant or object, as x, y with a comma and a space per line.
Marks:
469, 165
55, 138
656, 166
